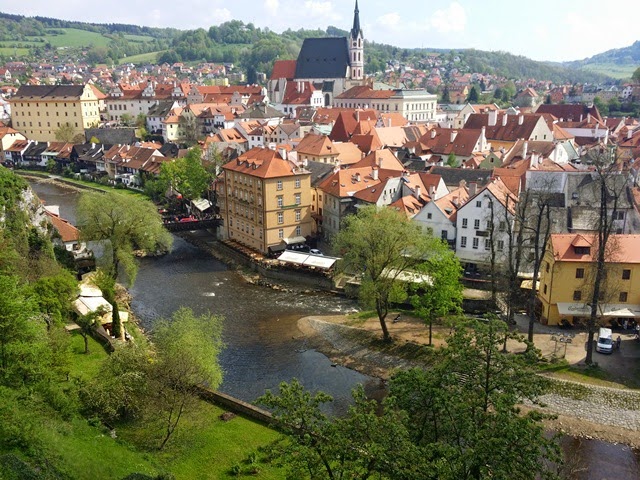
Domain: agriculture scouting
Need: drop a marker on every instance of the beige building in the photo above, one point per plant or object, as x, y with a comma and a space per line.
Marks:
265, 201
39, 110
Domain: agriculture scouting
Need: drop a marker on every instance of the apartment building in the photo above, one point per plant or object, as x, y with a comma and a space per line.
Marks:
39, 110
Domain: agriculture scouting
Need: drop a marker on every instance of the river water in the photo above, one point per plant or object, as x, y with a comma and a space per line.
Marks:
263, 346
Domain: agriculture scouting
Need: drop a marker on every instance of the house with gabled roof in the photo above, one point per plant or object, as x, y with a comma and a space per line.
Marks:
439, 216
503, 130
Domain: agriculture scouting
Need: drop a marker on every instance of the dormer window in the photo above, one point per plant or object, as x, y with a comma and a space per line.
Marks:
582, 250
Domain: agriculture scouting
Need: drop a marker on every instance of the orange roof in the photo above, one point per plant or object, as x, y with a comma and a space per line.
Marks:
317, 145
383, 159
345, 183
450, 203
408, 204
626, 248
284, 69
68, 233
263, 163
348, 153
365, 92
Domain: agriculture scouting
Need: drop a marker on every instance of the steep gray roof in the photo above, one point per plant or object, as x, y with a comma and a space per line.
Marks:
43, 91
112, 136
319, 171
323, 58
452, 176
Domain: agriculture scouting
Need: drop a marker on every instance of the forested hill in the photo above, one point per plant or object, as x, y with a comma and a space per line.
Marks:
621, 62
253, 48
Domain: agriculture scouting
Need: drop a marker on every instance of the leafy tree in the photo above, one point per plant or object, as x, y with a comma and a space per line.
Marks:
126, 119
187, 175
463, 414
473, 95
107, 284
602, 107
547, 99
141, 120
636, 75
452, 160
380, 246
187, 349
614, 105
127, 223
65, 133
446, 97
441, 293
95, 140
356, 446
87, 324
156, 188
54, 295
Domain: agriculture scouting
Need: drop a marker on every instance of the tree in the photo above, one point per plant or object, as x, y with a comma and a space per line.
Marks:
441, 293
87, 324
452, 160
126, 119
65, 133
612, 186
473, 95
446, 98
107, 285
187, 350
357, 446
187, 175
636, 75
602, 107
128, 223
54, 295
380, 246
462, 412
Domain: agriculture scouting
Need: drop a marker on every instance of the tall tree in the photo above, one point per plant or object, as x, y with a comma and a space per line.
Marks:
65, 133
446, 97
127, 223
380, 246
463, 411
474, 96
441, 292
187, 350
187, 175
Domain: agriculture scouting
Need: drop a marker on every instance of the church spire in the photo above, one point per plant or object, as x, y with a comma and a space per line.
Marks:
356, 30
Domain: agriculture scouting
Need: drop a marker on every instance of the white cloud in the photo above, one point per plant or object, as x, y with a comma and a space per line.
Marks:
271, 6
221, 15
451, 19
321, 9
389, 20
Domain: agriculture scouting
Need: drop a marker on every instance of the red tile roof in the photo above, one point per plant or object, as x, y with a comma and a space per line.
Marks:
284, 69
263, 163
626, 247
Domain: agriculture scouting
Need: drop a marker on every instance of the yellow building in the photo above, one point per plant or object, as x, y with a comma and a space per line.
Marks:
566, 279
39, 110
265, 201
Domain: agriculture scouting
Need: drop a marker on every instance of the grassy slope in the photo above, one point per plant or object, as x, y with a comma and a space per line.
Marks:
141, 58
202, 447
73, 37
613, 70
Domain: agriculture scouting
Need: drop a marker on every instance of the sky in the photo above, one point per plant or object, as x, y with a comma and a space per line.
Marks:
555, 30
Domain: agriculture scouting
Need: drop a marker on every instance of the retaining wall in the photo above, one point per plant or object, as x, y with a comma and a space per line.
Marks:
236, 405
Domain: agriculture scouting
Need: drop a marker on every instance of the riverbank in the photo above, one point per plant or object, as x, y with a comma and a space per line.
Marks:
582, 410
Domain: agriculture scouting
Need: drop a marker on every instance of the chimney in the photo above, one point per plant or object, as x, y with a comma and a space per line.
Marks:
525, 147
432, 191
433, 133
93, 145
520, 119
462, 184
388, 122
588, 118
357, 177
473, 188
298, 87
493, 118
629, 133
455, 200
536, 159
504, 120
374, 173
357, 115
417, 191
454, 134
283, 153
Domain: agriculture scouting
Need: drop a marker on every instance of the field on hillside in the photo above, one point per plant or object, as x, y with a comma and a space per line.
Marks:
142, 58
72, 37
138, 38
611, 69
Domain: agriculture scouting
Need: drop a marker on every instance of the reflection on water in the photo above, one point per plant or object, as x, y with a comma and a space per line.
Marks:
264, 347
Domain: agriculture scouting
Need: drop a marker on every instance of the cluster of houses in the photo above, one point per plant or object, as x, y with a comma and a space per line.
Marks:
321, 140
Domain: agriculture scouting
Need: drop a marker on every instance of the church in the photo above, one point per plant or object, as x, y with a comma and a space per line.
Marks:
325, 68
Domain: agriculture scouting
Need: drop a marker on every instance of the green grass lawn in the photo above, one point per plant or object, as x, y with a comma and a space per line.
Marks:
142, 58
588, 375
11, 52
72, 37
138, 38
613, 70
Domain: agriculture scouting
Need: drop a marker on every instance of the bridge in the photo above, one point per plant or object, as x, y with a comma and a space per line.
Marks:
193, 225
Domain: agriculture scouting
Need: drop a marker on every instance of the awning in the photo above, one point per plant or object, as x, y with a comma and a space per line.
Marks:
85, 305
293, 257
201, 204
277, 248
605, 310
292, 240
298, 258
528, 285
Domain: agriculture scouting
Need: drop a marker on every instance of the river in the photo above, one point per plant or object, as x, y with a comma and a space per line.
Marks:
263, 345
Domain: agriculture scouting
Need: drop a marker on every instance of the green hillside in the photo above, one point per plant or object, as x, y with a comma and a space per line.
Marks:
73, 37
617, 63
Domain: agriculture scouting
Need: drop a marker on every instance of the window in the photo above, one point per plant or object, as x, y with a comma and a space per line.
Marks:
298, 198
280, 217
623, 296
626, 274
429, 216
279, 185
486, 244
545, 289
478, 203
476, 242
618, 215
464, 223
280, 201
444, 234
298, 215
500, 245
297, 183
281, 233
298, 230
547, 268
577, 295
476, 224
503, 226
579, 272
463, 242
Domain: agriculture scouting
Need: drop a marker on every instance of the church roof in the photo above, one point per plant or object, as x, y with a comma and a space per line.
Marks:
323, 58
356, 23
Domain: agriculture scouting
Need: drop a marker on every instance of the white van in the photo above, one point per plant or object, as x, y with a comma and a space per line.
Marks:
605, 341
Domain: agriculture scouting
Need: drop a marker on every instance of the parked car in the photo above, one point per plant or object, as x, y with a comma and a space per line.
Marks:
315, 251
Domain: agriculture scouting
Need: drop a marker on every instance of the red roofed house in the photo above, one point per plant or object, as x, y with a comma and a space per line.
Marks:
265, 201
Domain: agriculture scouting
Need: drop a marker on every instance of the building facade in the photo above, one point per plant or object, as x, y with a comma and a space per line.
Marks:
265, 201
40, 110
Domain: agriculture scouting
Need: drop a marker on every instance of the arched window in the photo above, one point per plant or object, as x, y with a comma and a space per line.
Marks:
359, 56
359, 42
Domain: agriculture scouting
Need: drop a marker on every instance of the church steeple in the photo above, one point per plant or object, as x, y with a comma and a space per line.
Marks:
356, 30
356, 48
